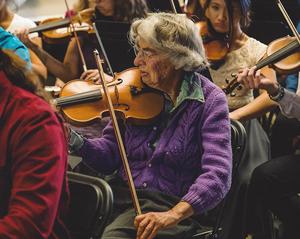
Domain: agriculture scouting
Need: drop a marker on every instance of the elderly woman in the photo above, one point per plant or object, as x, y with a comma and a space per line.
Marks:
181, 164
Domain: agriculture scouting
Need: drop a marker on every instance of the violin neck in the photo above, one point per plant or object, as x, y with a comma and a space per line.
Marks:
50, 26
78, 98
278, 55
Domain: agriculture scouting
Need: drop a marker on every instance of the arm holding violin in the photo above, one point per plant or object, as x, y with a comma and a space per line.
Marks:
260, 104
37, 64
289, 102
65, 71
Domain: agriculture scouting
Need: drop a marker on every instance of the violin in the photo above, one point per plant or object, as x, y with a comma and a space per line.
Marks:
83, 102
282, 55
216, 49
58, 30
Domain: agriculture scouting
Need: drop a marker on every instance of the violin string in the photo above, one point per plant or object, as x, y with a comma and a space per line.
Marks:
79, 97
281, 53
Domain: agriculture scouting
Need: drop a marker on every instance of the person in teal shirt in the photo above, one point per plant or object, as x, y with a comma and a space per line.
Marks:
11, 42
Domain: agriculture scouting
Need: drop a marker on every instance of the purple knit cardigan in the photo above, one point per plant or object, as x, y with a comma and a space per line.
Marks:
192, 158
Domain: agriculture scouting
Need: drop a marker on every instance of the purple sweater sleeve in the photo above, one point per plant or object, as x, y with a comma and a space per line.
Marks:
215, 180
102, 154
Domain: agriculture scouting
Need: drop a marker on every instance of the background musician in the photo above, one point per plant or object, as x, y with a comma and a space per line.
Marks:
227, 21
275, 184
14, 23
71, 68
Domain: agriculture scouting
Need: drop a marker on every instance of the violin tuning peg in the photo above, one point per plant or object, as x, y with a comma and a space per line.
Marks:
232, 94
227, 81
240, 87
234, 75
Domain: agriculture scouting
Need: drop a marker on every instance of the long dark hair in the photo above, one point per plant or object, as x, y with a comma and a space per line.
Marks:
127, 10
18, 73
244, 6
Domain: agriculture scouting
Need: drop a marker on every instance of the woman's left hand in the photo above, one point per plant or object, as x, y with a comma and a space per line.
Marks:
93, 74
148, 224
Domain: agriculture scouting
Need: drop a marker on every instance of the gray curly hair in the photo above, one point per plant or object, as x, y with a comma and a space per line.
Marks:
173, 35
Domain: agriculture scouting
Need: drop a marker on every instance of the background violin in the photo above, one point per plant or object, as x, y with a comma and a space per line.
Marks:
282, 54
58, 30
82, 101
216, 48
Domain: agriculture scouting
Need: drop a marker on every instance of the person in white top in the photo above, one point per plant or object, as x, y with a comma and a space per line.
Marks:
14, 23
275, 184
226, 21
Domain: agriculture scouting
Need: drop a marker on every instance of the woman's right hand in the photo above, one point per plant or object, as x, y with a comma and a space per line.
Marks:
253, 79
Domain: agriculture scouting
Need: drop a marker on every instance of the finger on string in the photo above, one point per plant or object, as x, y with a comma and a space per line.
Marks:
257, 79
85, 75
242, 74
258, 73
251, 71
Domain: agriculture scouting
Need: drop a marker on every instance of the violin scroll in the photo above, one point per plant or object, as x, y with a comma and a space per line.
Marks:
232, 85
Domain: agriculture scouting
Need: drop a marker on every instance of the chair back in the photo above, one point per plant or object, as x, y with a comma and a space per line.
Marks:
91, 202
238, 144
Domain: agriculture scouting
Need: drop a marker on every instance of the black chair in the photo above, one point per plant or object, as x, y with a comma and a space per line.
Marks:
238, 143
90, 206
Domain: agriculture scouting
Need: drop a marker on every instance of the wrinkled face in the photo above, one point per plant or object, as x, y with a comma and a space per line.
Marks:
155, 68
217, 13
105, 7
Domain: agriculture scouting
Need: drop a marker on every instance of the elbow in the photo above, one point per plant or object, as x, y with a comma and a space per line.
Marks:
41, 71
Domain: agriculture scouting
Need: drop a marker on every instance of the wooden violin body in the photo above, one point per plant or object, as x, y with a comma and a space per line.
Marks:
59, 30
290, 63
55, 36
82, 101
215, 49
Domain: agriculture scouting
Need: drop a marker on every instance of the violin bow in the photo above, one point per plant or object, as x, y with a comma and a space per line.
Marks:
76, 38
173, 6
288, 20
118, 135
185, 5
